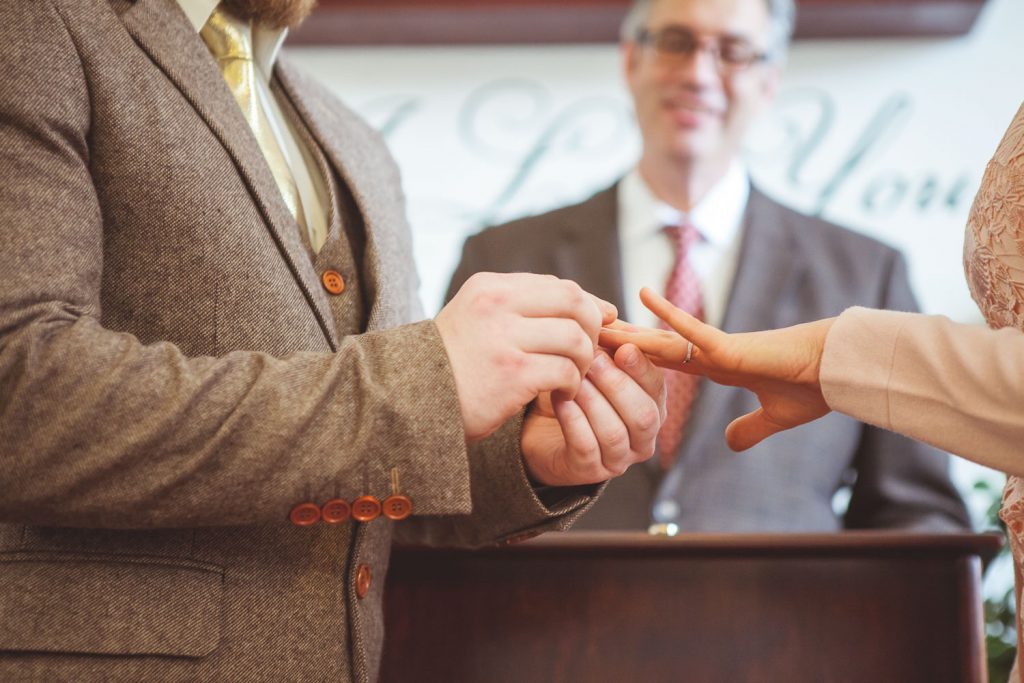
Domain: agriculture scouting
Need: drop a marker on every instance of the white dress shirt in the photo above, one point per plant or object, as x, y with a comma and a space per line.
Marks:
648, 254
266, 44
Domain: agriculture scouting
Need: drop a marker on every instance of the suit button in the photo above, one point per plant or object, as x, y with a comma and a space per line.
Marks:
335, 511
397, 507
520, 537
333, 282
363, 579
305, 514
365, 509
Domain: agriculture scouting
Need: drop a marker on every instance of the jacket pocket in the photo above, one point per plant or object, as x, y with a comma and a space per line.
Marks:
109, 604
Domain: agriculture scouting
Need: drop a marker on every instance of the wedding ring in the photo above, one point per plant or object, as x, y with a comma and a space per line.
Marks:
689, 352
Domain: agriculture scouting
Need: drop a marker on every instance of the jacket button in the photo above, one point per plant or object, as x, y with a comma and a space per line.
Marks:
363, 579
333, 282
520, 537
305, 514
397, 507
335, 511
365, 509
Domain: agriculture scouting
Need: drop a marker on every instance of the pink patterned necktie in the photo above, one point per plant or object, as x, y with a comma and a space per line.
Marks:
683, 290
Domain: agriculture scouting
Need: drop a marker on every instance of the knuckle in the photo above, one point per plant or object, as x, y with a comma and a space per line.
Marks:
648, 420
569, 372
568, 335
618, 469
584, 347
488, 299
486, 292
477, 281
589, 450
574, 292
564, 375
617, 439
648, 451
510, 360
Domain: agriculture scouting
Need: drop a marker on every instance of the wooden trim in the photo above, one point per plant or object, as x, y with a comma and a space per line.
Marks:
863, 606
426, 22
885, 18
859, 543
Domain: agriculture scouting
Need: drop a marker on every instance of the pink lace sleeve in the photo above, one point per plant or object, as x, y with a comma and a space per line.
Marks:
994, 243
994, 266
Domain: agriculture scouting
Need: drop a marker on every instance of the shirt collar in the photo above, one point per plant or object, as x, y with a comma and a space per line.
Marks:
718, 216
266, 42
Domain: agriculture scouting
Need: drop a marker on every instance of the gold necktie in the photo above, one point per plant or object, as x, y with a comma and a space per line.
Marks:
232, 49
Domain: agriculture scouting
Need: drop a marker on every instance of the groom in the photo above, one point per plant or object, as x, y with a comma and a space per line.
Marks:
218, 400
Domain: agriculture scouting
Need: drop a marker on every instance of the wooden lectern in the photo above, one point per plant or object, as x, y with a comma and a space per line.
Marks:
629, 608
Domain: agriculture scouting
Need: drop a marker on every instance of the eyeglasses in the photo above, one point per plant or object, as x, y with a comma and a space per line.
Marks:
676, 44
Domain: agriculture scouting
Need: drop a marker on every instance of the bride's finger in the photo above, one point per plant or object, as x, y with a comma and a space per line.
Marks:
623, 325
661, 344
749, 430
704, 336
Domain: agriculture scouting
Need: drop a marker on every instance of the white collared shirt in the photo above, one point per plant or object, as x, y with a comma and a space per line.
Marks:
648, 254
266, 44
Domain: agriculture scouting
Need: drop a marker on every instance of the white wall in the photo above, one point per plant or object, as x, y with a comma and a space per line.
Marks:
486, 134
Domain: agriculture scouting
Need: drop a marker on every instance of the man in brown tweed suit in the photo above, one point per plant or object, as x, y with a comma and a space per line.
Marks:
210, 373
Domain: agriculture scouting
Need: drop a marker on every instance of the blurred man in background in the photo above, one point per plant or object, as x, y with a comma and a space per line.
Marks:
687, 222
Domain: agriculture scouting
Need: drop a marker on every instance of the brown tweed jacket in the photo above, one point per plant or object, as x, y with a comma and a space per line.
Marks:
174, 379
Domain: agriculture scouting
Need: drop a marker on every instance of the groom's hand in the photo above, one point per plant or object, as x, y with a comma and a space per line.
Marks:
510, 337
611, 423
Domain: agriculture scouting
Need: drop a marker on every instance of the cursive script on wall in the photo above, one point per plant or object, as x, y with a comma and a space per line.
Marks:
523, 129
804, 122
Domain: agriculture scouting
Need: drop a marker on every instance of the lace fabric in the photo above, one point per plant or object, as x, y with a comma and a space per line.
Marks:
994, 241
994, 267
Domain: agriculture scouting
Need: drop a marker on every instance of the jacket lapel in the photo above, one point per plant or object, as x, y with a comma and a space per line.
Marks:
589, 251
161, 29
354, 151
763, 296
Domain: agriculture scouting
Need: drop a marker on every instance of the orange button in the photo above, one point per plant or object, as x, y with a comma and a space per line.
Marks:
363, 579
333, 282
520, 537
365, 509
335, 511
305, 514
397, 507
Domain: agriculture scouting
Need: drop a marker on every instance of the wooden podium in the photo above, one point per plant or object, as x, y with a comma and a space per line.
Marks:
632, 608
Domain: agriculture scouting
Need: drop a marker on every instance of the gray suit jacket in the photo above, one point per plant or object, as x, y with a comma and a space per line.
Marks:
792, 268
174, 378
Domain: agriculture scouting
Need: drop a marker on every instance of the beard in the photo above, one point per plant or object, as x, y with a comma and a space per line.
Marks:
272, 13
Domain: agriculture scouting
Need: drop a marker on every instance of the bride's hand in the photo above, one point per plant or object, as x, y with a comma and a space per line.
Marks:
780, 366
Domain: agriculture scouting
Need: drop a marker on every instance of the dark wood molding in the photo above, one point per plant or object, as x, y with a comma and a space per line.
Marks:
847, 543
562, 608
885, 18
431, 22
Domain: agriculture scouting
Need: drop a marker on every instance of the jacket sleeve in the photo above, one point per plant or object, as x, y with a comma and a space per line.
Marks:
902, 483
507, 507
100, 430
957, 387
